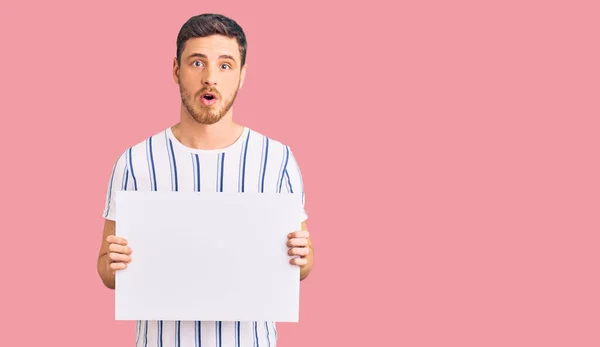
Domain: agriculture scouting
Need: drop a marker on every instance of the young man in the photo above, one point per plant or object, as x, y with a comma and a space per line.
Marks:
205, 151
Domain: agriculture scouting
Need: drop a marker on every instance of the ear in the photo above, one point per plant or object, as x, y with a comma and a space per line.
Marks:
175, 70
243, 75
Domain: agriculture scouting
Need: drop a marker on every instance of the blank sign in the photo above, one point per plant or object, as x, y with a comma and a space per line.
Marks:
207, 256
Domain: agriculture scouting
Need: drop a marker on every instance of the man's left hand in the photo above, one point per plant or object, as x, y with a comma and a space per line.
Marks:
298, 246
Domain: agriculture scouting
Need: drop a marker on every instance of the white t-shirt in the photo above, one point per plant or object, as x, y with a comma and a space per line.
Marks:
254, 163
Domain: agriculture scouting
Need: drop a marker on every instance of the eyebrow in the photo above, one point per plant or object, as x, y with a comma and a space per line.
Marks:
201, 55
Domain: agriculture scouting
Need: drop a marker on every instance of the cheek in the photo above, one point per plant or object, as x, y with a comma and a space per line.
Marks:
189, 78
189, 81
232, 84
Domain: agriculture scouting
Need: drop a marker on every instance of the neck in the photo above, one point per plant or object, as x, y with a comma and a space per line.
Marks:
207, 136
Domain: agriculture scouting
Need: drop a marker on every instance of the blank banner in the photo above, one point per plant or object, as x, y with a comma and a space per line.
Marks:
208, 256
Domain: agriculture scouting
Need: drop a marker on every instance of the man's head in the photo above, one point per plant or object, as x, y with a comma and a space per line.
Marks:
210, 66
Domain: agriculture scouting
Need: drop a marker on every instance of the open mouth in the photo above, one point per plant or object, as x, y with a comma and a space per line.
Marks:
208, 99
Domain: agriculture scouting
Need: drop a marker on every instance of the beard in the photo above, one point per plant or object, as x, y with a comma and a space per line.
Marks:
206, 114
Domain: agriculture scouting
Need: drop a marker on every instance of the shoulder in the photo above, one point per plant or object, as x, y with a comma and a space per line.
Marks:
150, 141
273, 144
274, 151
141, 146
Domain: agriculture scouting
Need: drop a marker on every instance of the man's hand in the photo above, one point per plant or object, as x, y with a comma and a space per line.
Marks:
299, 246
118, 253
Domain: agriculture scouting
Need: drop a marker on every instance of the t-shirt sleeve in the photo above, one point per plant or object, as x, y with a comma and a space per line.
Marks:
116, 182
293, 181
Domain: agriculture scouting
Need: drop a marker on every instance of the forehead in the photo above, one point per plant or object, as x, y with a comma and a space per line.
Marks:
212, 46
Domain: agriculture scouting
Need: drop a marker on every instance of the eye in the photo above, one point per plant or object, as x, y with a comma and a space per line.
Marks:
226, 66
197, 63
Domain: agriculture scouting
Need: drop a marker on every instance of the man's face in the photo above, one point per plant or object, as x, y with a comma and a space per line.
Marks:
209, 77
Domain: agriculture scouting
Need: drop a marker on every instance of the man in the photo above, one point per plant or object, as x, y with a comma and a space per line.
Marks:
205, 151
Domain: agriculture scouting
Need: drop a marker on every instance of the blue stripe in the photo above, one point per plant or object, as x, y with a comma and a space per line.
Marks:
289, 183
219, 337
131, 169
148, 160
220, 170
170, 160
126, 178
267, 329
240, 189
256, 334
160, 334
146, 335
242, 176
198, 334
177, 334
198, 180
264, 165
284, 167
174, 165
151, 162
174, 183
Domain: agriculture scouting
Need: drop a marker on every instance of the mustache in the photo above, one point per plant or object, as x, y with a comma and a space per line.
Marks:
209, 90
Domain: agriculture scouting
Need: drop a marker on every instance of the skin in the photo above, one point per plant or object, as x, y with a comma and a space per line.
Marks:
208, 64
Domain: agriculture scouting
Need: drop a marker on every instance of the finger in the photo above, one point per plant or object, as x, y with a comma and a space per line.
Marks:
301, 251
119, 249
299, 261
119, 257
298, 234
116, 239
297, 243
118, 266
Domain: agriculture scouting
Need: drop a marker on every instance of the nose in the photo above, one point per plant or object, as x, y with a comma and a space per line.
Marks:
209, 77
209, 82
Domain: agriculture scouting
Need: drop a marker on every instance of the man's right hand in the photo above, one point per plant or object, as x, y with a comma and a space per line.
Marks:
118, 253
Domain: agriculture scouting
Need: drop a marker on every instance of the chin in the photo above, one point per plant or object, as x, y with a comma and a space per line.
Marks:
207, 119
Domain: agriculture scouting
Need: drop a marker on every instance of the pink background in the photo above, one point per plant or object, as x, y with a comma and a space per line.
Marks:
449, 151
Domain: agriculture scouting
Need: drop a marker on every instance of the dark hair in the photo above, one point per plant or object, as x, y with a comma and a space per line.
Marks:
211, 24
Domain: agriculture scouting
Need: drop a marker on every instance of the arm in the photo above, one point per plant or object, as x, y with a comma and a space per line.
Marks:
114, 254
106, 273
305, 269
300, 244
301, 248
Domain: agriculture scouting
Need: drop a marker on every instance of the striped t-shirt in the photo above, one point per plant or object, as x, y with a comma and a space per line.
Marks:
254, 163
